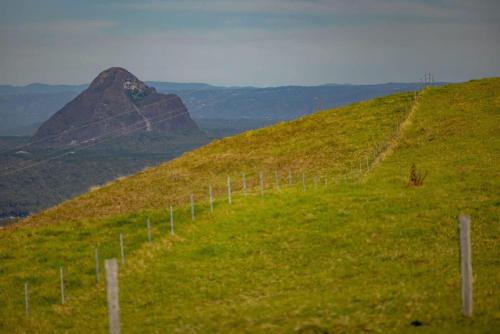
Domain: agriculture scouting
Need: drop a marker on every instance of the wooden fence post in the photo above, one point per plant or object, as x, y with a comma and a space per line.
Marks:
465, 264
61, 278
171, 221
192, 206
96, 256
122, 251
112, 295
303, 181
290, 180
148, 226
26, 299
261, 182
229, 189
211, 198
277, 179
244, 186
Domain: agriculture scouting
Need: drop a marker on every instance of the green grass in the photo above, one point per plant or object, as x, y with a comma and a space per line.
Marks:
369, 255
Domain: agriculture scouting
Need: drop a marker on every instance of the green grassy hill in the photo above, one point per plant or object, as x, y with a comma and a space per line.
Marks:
356, 249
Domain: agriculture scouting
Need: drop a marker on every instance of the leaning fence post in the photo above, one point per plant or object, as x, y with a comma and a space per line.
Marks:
96, 255
303, 181
171, 221
261, 182
112, 295
148, 226
26, 299
229, 189
244, 180
192, 206
465, 264
211, 198
61, 278
122, 251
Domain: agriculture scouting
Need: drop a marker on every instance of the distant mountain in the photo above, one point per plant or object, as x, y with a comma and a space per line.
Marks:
40, 88
176, 86
115, 104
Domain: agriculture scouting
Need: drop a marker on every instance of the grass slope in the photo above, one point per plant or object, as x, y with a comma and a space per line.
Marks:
369, 255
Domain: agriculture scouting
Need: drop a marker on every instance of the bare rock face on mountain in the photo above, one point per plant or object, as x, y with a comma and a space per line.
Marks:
115, 104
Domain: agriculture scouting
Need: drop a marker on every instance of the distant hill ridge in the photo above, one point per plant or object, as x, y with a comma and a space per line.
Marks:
24, 108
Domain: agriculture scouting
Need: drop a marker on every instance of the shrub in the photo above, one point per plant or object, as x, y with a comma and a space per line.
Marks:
416, 178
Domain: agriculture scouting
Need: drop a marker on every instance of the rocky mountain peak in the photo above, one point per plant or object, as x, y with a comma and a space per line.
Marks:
115, 103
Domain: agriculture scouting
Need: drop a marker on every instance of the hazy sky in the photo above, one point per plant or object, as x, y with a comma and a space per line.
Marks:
250, 42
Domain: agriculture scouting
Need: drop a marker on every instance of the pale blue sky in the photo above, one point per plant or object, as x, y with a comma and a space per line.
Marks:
250, 42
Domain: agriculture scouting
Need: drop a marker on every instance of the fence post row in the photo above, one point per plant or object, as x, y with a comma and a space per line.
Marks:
465, 264
112, 291
110, 265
